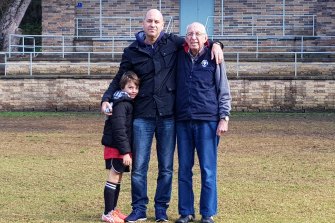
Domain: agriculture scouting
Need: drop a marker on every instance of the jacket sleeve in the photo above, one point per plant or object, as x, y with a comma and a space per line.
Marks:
119, 127
223, 90
179, 41
125, 65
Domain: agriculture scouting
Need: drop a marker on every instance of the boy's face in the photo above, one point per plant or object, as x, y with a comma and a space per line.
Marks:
131, 89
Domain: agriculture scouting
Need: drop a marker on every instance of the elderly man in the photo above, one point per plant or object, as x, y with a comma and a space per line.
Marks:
153, 58
203, 105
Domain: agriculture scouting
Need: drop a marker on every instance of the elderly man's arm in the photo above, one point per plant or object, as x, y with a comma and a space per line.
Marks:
224, 98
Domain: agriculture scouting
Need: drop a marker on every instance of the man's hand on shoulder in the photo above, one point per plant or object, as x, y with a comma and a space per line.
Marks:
217, 52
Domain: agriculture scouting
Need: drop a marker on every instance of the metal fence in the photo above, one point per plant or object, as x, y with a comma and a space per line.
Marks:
278, 63
106, 26
257, 25
239, 25
65, 45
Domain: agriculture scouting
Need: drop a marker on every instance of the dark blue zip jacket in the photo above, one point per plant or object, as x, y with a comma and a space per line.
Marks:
202, 88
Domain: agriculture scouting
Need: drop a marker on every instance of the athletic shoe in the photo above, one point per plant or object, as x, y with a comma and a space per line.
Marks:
185, 219
136, 215
111, 217
120, 214
207, 220
161, 215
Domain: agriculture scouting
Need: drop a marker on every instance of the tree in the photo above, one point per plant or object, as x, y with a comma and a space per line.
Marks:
11, 18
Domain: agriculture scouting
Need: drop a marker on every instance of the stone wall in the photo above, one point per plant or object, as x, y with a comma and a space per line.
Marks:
84, 93
55, 94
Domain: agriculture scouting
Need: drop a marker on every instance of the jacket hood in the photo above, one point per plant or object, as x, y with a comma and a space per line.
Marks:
121, 96
140, 37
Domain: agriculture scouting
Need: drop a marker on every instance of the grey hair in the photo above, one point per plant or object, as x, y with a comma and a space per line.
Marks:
198, 24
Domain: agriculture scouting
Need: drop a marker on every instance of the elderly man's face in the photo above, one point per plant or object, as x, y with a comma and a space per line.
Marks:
196, 37
153, 24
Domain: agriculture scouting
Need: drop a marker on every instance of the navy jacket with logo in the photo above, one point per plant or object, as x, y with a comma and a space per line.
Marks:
202, 91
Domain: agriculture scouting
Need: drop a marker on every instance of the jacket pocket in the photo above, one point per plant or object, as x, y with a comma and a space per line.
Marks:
169, 56
142, 66
171, 87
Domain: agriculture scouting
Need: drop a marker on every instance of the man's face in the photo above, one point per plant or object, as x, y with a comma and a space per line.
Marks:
153, 24
196, 37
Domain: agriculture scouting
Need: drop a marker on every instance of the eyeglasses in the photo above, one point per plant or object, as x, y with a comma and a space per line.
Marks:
197, 34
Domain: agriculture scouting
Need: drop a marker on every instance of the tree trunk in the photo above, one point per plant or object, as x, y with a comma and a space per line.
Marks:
11, 20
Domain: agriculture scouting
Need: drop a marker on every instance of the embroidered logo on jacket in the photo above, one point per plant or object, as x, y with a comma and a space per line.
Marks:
204, 63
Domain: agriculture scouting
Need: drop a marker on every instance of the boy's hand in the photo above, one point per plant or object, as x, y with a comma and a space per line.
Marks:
127, 160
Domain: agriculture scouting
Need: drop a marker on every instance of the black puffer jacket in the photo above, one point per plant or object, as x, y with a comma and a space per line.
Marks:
118, 127
156, 67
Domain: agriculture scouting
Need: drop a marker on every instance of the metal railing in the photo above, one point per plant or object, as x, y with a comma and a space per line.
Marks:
290, 60
259, 44
106, 26
62, 45
248, 25
30, 63
255, 25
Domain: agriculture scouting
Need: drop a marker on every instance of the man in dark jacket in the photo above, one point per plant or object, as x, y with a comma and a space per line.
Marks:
202, 114
153, 58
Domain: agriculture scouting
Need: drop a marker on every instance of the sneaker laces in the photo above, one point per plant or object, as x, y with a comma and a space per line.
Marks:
107, 218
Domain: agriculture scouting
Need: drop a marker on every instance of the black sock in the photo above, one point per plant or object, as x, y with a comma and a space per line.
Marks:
109, 196
117, 192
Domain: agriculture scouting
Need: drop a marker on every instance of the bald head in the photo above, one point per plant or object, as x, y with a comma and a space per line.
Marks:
154, 12
153, 25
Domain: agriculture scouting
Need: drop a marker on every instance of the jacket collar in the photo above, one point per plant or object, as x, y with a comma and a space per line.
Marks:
200, 54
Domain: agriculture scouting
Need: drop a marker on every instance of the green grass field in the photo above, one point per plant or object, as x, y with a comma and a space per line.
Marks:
273, 167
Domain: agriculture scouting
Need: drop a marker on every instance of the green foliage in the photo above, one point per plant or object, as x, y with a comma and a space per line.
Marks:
31, 28
32, 20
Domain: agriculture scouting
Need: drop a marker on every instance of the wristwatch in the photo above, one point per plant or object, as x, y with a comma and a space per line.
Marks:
226, 118
220, 44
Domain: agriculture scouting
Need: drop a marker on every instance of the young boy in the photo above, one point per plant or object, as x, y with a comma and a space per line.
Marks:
117, 139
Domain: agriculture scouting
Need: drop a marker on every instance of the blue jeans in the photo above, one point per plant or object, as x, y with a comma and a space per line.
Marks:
199, 135
143, 130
